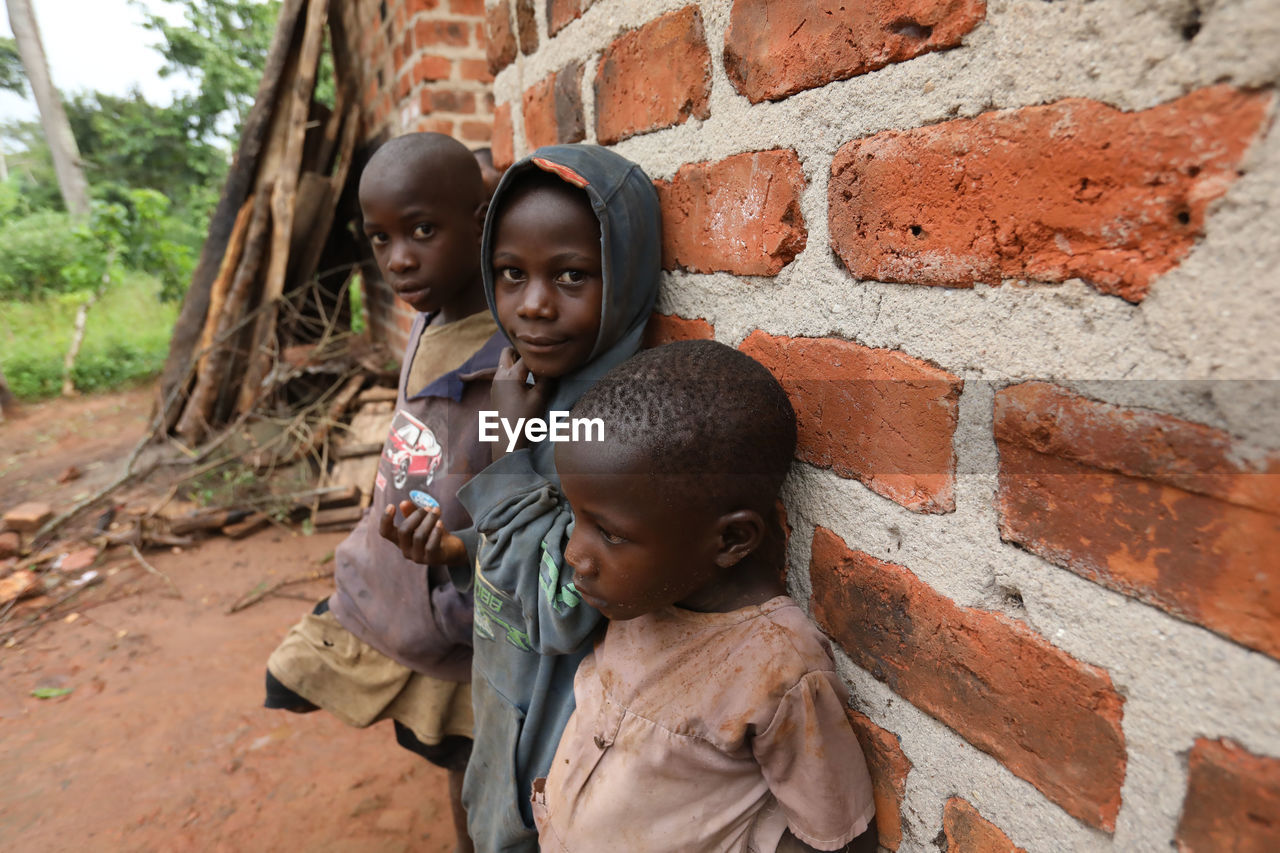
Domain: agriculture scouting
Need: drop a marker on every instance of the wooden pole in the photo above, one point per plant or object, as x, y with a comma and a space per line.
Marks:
282, 199
191, 427
240, 180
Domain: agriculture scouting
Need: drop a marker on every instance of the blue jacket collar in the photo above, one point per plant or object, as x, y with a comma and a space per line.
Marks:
453, 383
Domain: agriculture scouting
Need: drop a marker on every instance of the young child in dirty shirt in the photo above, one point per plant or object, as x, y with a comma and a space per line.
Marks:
572, 260
394, 639
710, 716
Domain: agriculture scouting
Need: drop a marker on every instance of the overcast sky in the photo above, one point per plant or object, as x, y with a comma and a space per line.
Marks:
96, 45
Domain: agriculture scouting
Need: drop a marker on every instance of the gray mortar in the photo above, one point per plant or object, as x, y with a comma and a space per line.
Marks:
1210, 319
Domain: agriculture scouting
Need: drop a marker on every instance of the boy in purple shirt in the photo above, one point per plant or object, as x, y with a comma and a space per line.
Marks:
394, 639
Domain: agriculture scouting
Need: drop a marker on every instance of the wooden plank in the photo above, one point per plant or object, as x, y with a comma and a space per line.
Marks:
376, 394
252, 524
282, 205
342, 515
221, 284
351, 450
309, 258
358, 472
314, 198
198, 412
235, 191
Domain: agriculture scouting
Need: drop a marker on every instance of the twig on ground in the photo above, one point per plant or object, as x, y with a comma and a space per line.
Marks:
137, 555
261, 592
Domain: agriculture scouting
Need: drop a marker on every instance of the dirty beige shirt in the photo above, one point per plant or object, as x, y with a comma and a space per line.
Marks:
707, 732
442, 348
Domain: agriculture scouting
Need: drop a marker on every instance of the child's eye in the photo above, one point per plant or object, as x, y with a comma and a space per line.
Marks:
571, 277
378, 238
421, 232
514, 275
611, 538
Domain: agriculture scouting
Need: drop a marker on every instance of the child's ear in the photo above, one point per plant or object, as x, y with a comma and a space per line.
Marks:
482, 209
740, 533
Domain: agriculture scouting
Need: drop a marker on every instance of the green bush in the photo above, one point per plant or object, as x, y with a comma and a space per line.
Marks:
126, 339
44, 253
34, 251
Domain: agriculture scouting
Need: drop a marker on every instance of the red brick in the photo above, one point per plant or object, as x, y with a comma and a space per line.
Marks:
668, 328
1046, 716
448, 101
469, 8
453, 33
27, 517
654, 77
969, 832
475, 131
403, 86
475, 69
561, 13
526, 27
503, 137
1076, 189
875, 415
1232, 802
775, 48
889, 767
553, 108
413, 7
500, 39
432, 124
430, 68
10, 544
1146, 504
740, 215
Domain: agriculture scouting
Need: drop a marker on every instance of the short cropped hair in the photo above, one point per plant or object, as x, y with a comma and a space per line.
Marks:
700, 408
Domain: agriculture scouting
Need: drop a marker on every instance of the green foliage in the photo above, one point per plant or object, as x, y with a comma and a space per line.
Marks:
12, 77
34, 251
153, 241
126, 339
222, 45
127, 142
43, 253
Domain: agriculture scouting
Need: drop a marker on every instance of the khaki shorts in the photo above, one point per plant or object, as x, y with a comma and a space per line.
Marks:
328, 666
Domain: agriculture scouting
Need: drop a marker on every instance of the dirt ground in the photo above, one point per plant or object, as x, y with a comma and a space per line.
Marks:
162, 743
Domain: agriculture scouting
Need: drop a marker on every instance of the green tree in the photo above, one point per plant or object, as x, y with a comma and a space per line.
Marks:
222, 45
127, 143
11, 77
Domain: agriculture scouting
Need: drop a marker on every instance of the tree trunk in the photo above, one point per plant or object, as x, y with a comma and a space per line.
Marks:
82, 319
57, 130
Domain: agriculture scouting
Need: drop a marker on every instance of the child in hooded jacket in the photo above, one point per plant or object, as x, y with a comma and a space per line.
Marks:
571, 263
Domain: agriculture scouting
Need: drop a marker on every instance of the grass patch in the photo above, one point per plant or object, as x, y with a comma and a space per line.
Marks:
126, 339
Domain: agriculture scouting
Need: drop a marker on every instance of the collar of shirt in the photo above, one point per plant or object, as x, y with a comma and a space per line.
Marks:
481, 365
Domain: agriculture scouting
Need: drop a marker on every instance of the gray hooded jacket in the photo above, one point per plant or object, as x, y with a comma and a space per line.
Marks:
531, 629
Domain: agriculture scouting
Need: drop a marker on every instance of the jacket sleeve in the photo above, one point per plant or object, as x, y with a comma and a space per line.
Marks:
524, 524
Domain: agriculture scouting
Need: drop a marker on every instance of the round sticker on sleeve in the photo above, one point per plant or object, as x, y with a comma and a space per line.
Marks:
423, 500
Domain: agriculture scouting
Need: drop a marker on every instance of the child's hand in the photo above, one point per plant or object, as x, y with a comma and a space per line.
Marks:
514, 398
421, 537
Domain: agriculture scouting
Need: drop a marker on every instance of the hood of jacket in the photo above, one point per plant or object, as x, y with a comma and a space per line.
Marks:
626, 205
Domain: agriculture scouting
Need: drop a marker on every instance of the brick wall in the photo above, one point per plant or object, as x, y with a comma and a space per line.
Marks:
422, 66
1016, 263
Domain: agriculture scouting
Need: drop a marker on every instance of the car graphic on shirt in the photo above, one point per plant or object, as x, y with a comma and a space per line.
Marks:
412, 450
